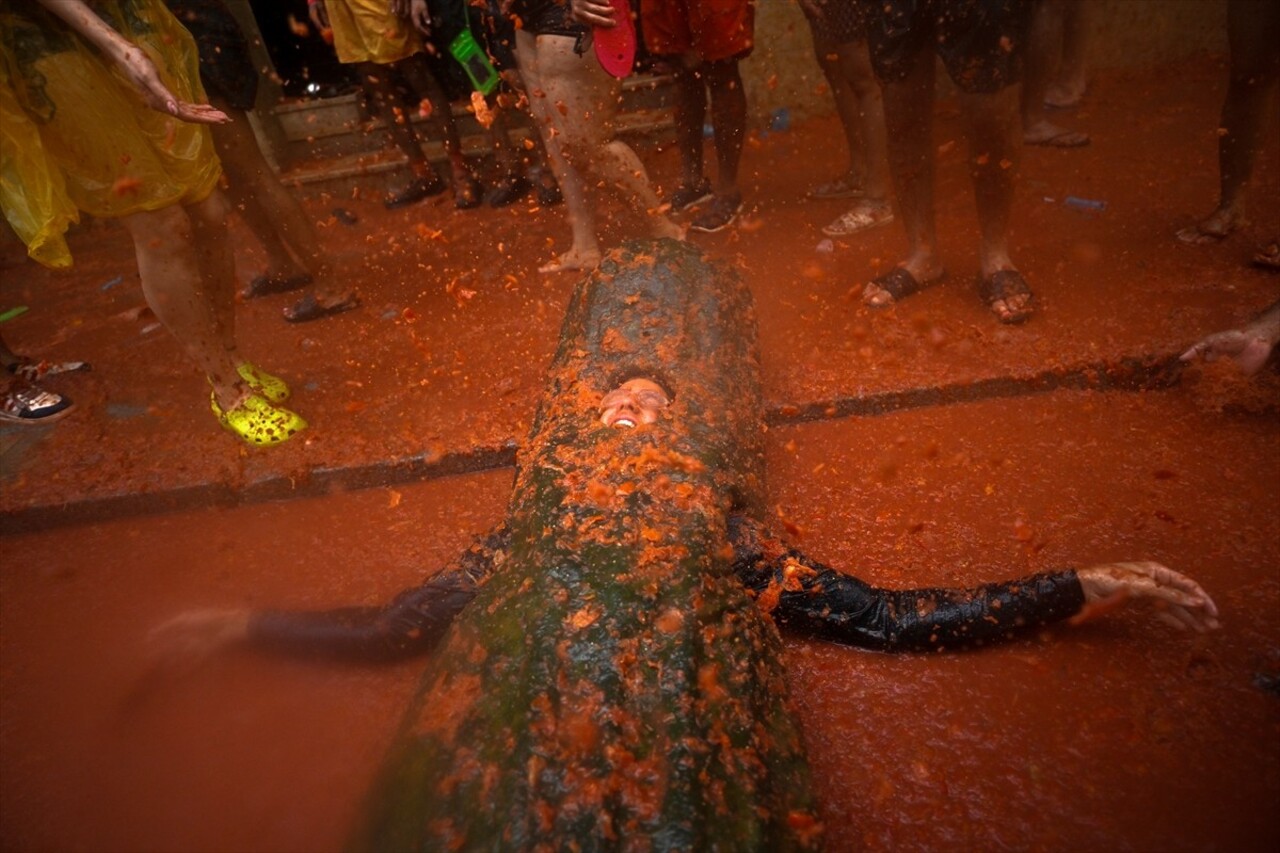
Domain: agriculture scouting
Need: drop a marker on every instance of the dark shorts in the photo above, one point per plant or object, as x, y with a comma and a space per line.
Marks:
226, 70
842, 21
980, 41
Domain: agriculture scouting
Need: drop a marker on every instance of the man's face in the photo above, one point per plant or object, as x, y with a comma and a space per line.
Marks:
634, 402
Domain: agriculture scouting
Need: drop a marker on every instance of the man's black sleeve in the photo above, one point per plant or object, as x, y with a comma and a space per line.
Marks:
807, 596
411, 624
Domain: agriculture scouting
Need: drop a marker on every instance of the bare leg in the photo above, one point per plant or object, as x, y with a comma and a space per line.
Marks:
175, 290
908, 113
586, 128
272, 213
585, 253
691, 115
873, 209
833, 68
993, 152
424, 82
377, 82
1041, 59
1072, 78
729, 118
1253, 30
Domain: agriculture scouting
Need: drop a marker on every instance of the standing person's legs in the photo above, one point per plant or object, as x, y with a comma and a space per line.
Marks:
849, 183
376, 80
585, 253
164, 241
873, 209
729, 119
993, 159
1041, 60
424, 82
691, 116
1253, 31
272, 213
1072, 78
908, 113
590, 100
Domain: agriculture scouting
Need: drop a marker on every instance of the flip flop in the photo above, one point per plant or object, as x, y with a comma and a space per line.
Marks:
310, 308
899, 284
1001, 285
616, 46
861, 218
1194, 235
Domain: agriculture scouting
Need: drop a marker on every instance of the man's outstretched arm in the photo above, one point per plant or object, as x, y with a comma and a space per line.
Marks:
808, 596
412, 623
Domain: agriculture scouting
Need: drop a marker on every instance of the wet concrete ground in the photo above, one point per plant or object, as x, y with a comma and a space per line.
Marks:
1117, 735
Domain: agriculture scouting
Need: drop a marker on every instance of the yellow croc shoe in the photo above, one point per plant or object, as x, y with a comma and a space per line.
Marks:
260, 423
271, 387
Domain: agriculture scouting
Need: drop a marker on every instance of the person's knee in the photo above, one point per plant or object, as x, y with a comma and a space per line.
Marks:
722, 74
211, 212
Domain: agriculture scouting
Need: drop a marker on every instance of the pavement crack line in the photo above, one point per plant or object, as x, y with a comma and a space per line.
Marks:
1128, 374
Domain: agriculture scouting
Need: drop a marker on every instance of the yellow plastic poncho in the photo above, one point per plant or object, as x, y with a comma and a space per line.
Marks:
76, 136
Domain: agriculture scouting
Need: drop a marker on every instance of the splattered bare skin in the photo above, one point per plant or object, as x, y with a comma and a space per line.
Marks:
614, 677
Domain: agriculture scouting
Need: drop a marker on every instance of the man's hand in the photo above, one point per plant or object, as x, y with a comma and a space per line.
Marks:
1180, 601
319, 15
420, 16
815, 8
1248, 349
190, 637
597, 13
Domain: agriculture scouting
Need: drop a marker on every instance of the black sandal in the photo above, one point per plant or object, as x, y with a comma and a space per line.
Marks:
899, 284
1000, 286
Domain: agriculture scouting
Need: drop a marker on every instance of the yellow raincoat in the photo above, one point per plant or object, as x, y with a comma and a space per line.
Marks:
75, 135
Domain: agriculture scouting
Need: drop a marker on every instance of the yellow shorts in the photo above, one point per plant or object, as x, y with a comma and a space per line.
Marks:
364, 31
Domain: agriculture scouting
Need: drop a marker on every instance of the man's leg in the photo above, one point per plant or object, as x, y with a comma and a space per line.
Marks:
1072, 78
908, 113
272, 213
833, 68
1041, 59
993, 158
729, 119
376, 80
691, 115
872, 158
423, 81
1253, 30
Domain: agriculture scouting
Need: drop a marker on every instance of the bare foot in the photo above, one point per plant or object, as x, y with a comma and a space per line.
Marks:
664, 227
1214, 228
572, 260
923, 273
1064, 96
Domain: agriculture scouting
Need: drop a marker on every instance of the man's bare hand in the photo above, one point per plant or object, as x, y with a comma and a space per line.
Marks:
193, 636
420, 16
1248, 349
1179, 601
319, 15
815, 8
597, 13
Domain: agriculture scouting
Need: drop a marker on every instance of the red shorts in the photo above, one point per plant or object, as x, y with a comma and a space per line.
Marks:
713, 29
